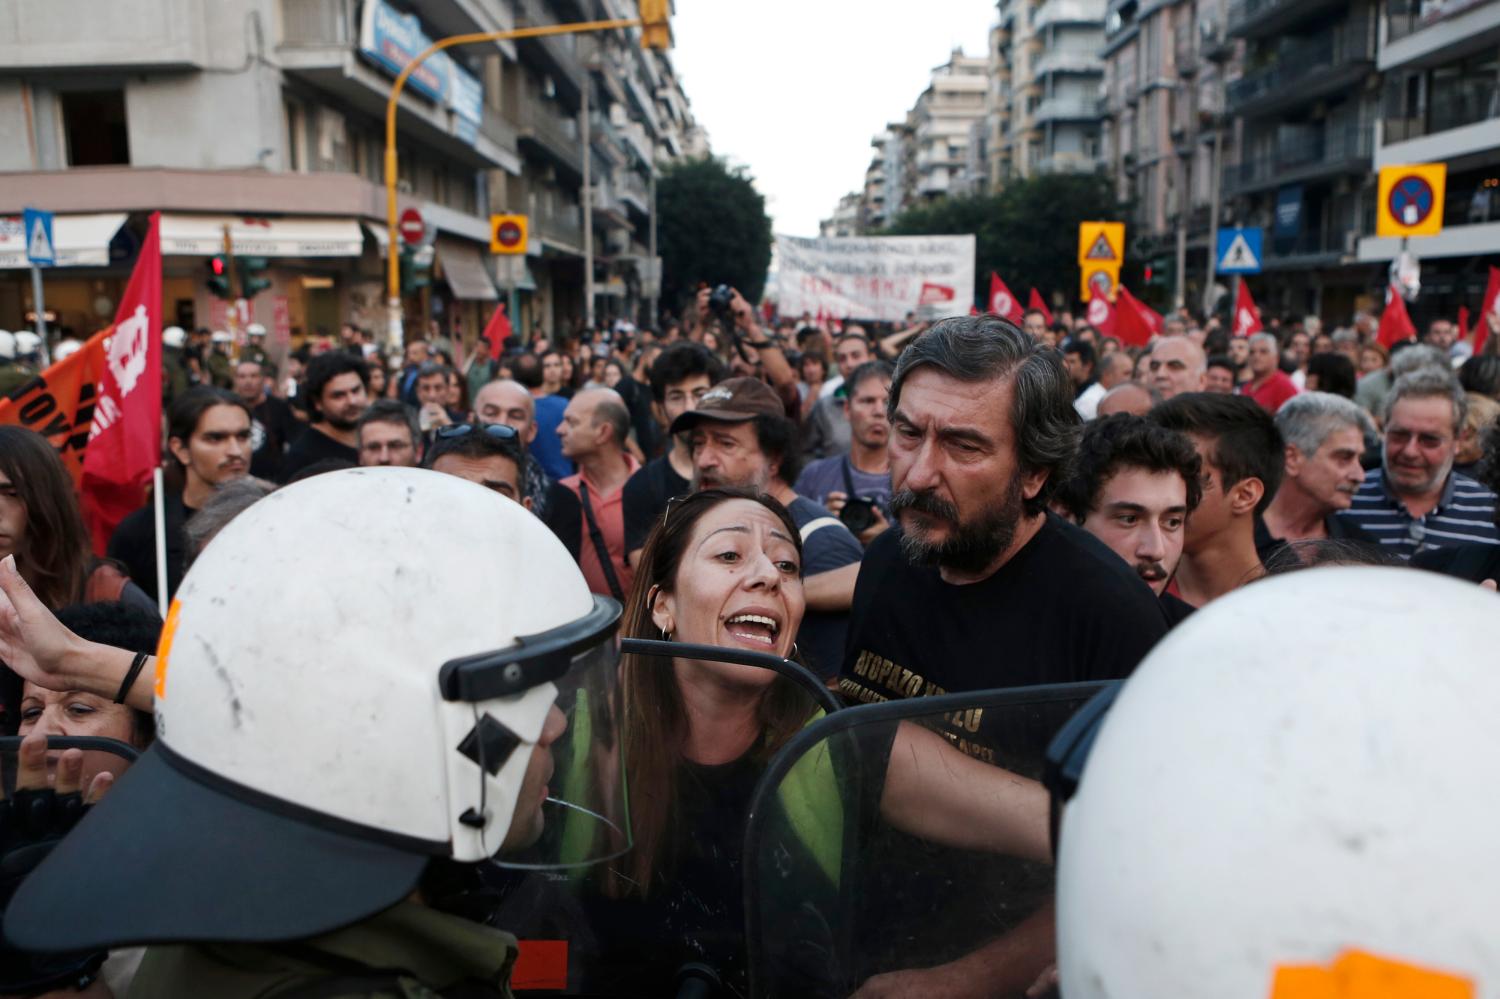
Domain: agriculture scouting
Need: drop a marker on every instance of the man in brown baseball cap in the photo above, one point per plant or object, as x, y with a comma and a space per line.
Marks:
741, 438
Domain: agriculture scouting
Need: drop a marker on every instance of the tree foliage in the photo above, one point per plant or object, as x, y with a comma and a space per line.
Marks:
712, 226
1027, 232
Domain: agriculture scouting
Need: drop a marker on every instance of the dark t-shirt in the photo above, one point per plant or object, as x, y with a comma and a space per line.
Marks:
133, 544
645, 499
1176, 609
312, 447
1338, 528
272, 429
1476, 563
1063, 609
822, 635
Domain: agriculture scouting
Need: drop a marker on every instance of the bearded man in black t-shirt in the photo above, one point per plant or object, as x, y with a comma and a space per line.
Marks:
979, 586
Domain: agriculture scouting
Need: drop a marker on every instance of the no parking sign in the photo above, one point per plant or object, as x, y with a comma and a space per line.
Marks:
1411, 200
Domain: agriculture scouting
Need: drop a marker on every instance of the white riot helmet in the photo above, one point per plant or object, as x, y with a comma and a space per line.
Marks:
334, 713
1256, 805
28, 344
66, 348
7, 345
221, 336
174, 337
255, 329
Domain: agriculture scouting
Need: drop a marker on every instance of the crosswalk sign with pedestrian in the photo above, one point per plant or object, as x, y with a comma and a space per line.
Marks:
40, 248
1240, 251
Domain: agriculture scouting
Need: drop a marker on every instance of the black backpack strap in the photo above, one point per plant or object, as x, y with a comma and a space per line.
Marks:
596, 536
845, 467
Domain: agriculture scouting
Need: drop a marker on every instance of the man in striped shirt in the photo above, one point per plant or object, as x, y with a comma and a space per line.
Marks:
1416, 502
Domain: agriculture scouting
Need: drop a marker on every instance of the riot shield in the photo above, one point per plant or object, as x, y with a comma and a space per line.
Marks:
33, 818
667, 917
880, 843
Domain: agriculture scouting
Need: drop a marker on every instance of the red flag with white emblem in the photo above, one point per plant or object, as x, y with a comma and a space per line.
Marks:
1002, 302
125, 440
1246, 315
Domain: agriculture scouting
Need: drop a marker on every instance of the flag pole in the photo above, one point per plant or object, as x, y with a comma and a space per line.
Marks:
158, 504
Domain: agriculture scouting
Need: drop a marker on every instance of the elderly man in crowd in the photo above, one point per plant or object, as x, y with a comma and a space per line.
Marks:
1324, 437
1415, 501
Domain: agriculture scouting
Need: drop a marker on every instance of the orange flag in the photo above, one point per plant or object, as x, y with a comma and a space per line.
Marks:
59, 402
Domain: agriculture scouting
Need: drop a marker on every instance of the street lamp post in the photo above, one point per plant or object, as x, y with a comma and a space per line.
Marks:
651, 26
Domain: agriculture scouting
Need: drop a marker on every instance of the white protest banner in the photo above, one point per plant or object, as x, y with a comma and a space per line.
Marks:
875, 277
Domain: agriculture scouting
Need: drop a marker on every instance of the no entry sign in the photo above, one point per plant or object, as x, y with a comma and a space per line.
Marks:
413, 227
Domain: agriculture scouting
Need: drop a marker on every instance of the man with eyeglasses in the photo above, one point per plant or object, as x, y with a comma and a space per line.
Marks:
387, 434
488, 456
1416, 502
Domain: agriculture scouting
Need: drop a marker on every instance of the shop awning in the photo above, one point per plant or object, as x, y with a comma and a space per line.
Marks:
464, 271
79, 240
203, 236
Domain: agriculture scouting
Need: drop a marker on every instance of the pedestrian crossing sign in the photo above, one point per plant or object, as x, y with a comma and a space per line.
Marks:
40, 249
1239, 251
1101, 243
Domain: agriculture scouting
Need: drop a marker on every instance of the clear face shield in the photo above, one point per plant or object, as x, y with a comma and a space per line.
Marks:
534, 771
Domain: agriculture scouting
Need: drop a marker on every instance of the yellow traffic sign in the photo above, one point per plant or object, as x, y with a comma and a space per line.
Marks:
507, 234
1411, 200
1101, 243
1099, 279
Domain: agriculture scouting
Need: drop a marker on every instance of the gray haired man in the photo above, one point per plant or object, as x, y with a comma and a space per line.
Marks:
1415, 501
1324, 438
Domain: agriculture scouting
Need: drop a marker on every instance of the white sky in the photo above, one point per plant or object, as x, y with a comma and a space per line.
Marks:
795, 89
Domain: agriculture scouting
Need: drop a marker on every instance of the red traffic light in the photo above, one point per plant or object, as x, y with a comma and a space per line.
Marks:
217, 266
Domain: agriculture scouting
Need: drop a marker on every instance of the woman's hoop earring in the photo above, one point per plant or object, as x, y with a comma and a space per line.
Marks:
666, 636
794, 651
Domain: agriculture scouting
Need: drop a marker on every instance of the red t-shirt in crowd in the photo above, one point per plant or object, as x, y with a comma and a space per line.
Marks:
609, 514
1272, 392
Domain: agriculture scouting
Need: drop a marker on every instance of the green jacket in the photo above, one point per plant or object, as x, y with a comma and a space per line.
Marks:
406, 952
13, 376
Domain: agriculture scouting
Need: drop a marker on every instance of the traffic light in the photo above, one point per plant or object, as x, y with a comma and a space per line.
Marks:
416, 269
251, 282
218, 277
656, 32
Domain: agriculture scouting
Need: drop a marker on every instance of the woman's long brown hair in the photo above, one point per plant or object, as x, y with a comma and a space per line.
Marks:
54, 554
654, 721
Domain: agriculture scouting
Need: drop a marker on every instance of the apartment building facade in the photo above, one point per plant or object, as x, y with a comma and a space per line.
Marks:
1440, 102
266, 116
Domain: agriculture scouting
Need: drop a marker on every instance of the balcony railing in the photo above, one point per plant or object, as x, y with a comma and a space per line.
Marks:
1404, 18
1068, 62
1068, 12
317, 22
1066, 109
1300, 61
1185, 47
553, 134
1468, 105
1331, 151
1247, 17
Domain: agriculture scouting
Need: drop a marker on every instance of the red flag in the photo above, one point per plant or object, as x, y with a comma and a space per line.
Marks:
1395, 323
497, 331
1488, 315
1002, 302
973, 310
125, 441
1135, 322
1246, 315
1101, 315
1036, 302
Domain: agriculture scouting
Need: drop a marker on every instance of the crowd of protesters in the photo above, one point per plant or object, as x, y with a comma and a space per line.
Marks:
950, 486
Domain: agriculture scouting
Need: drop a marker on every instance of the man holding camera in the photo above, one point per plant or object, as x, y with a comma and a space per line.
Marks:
742, 439
856, 485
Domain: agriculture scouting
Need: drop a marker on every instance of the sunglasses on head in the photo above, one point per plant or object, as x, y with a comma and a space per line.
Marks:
497, 430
